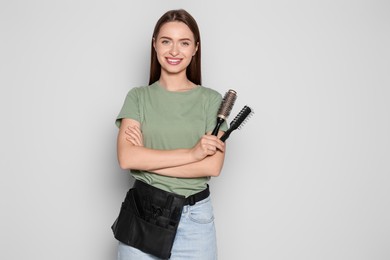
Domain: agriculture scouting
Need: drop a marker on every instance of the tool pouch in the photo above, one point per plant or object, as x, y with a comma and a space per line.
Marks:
148, 219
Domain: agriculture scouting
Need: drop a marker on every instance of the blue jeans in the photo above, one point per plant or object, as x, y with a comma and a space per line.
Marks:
195, 238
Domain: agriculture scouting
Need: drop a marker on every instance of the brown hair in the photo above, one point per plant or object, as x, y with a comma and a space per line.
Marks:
194, 69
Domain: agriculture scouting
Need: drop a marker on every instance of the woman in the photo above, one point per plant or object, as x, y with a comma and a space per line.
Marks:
164, 139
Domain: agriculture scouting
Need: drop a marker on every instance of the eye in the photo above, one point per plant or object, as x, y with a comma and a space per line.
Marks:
165, 42
185, 43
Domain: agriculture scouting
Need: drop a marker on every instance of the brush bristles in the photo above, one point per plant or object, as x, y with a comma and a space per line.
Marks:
245, 120
241, 118
227, 104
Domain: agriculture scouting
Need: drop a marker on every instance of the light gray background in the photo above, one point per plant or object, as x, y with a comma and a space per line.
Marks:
306, 178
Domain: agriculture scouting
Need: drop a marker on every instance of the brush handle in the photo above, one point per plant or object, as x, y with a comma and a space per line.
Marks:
226, 134
218, 125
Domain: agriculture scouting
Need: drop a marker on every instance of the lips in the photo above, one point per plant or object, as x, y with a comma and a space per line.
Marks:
173, 61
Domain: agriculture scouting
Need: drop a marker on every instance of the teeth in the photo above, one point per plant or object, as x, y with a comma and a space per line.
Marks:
173, 60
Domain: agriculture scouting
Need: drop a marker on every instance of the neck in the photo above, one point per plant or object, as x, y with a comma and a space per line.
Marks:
176, 82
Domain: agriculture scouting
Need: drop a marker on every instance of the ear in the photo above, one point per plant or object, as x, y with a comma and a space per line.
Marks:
196, 49
154, 43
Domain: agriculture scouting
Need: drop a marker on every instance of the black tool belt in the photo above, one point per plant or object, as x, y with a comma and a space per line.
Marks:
149, 217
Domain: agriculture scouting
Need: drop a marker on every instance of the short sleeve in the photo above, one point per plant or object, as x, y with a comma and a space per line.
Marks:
215, 102
130, 108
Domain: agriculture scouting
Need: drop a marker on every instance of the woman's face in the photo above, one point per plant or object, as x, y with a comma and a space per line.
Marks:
175, 46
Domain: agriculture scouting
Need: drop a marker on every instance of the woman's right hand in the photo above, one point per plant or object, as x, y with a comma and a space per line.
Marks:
206, 146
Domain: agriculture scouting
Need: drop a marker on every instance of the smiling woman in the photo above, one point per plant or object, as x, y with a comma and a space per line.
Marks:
164, 140
189, 33
175, 46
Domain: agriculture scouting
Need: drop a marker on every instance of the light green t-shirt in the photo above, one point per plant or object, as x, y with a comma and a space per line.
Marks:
172, 120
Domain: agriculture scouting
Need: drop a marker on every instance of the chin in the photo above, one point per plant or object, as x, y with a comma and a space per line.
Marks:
174, 70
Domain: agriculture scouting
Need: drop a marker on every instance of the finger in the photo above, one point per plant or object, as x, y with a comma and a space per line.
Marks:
133, 129
127, 132
211, 150
130, 131
130, 135
209, 137
215, 142
208, 140
131, 140
137, 129
137, 132
220, 145
134, 138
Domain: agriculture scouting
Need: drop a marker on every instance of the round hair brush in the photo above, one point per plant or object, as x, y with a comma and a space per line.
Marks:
237, 122
224, 109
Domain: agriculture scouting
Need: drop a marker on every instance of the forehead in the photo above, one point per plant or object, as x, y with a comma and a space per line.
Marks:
178, 30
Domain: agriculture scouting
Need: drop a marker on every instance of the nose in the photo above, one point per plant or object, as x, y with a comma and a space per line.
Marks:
174, 50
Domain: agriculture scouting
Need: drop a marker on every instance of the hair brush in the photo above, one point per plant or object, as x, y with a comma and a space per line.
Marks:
237, 122
224, 109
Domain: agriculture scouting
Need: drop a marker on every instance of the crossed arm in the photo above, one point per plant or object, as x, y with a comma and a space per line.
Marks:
204, 159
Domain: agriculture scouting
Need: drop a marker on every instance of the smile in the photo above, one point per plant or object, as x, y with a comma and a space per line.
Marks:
173, 61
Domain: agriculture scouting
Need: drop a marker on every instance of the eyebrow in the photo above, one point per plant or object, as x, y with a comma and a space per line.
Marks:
182, 39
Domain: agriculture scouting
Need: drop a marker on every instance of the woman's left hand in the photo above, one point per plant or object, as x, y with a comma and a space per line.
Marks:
134, 135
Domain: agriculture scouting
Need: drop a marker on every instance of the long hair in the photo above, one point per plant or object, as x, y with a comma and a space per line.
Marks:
194, 68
